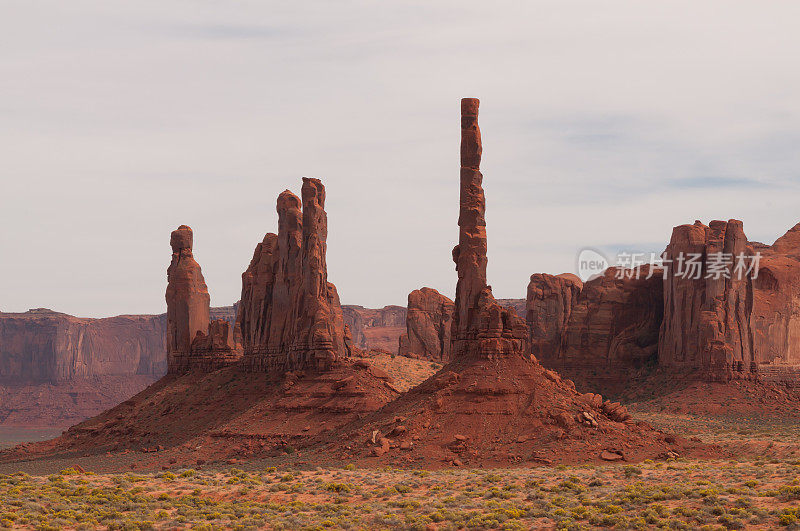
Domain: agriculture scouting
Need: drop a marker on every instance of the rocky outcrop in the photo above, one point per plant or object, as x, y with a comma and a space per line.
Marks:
481, 327
289, 315
46, 346
193, 341
188, 301
549, 305
375, 328
615, 322
427, 326
612, 332
726, 313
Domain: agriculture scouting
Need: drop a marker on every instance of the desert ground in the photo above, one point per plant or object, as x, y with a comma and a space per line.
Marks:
757, 487
758, 491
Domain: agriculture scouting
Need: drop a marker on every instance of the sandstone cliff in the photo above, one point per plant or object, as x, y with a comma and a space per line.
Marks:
600, 334
548, 308
56, 369
735, 316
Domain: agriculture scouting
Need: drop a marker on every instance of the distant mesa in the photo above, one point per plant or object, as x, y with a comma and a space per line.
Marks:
377, 329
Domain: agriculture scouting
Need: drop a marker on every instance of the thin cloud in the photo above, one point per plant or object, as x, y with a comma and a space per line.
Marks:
700, 181
231, 31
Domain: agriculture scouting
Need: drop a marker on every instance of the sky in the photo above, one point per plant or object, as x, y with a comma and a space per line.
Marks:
605, 124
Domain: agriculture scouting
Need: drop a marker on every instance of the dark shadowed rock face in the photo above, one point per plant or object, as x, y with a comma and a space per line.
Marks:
427, 326
481, 327
375, 328
600, 334
290, 316
613, 329
739, 323
192, 342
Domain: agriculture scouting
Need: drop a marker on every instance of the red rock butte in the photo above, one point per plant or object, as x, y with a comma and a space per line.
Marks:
722, 308
739, 321
428, 326
290, 316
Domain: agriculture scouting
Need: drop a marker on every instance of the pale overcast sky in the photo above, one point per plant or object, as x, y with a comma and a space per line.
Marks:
604, 124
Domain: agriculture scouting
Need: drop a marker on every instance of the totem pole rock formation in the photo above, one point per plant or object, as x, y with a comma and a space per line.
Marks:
290, 316
731, 306
549, 305
193, 342
481, 327
427, 326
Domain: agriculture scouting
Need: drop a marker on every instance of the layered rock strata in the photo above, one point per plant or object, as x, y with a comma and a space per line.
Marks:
45, 346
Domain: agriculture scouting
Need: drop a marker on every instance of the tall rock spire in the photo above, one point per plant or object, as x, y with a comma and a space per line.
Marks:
480, 325
291, 317
319, 338
187, 298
